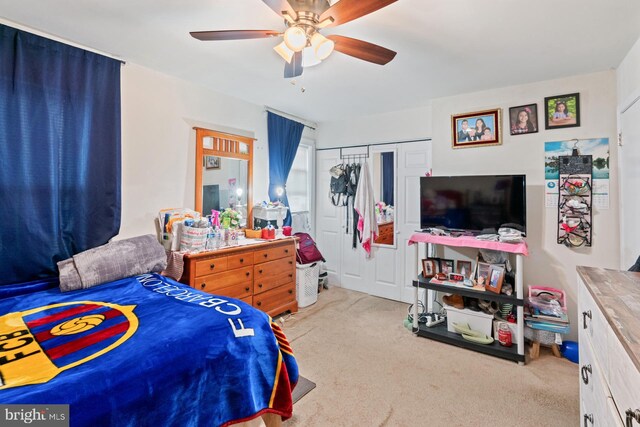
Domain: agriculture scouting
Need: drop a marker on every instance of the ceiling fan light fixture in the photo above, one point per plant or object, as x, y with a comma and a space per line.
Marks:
295, 38
309, 58
322, 46
284, 51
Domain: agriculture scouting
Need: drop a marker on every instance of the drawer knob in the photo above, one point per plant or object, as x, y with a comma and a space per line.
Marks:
247, 273
589, 418
291, 275
290, 262
203, 285
260, 271
247, 289
290, 291
259, 285
585, 314
259, 303
584, 372
286, 251
212, 266
631, 416
265, 255
241, 260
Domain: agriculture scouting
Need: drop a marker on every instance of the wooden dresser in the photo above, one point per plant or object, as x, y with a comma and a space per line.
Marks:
261, 274
385, 233
609, 334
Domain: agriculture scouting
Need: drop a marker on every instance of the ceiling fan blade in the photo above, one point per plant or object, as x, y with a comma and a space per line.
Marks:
362, 50
348, 10
279, 6
234, 34
293, 68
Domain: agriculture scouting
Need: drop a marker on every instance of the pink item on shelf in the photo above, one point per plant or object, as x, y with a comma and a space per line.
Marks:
470, 242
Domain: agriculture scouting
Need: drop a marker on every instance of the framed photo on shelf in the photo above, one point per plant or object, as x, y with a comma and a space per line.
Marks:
464, 268
429, 268
446, 266
496, 277
211, 162
483, 270
523, 119
476, 129
562, 111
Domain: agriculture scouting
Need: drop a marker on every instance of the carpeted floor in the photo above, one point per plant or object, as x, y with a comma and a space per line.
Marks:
371, 371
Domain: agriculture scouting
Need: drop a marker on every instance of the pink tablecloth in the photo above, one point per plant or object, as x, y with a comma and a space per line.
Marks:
469, 242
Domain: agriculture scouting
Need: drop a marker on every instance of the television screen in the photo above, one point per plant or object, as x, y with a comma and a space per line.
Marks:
473, 203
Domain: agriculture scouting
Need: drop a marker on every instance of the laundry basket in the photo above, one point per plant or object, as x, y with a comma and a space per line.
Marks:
307, 283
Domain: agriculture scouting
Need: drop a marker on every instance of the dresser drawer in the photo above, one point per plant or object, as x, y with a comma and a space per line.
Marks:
248, 300
597, 327
274, 253
239, 291
593, 390
213, 282
274, 268
271, 300
624, 377
240, 260
210, 266
267, 283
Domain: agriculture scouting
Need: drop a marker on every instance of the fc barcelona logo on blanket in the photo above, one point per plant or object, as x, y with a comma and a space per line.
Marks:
38, 344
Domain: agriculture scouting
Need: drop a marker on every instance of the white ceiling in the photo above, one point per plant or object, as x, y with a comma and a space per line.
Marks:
445, 47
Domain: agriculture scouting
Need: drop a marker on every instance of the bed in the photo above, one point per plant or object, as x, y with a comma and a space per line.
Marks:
144, 350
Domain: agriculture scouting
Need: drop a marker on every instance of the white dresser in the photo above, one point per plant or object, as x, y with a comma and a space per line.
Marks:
609, 335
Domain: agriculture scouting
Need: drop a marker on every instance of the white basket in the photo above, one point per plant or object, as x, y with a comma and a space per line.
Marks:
307, 283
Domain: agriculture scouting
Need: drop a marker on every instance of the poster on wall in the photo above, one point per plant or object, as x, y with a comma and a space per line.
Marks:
596, 147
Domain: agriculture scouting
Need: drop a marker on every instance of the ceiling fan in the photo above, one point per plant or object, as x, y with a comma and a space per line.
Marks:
303, 45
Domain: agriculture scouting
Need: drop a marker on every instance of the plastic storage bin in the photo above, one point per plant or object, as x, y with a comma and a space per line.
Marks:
307, 283
476, 320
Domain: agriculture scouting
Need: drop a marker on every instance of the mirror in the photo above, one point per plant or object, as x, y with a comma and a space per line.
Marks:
384, 192
223, 173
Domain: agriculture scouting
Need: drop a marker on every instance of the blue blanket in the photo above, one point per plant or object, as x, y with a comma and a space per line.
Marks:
144, 350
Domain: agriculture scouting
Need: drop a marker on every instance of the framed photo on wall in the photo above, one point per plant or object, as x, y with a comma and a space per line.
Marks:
211, 162
562, 111
523, 119
476, 129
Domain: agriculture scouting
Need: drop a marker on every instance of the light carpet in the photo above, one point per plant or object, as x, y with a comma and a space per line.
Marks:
371, 371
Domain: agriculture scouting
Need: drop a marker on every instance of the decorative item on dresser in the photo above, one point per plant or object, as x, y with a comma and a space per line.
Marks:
609, 335
262, 274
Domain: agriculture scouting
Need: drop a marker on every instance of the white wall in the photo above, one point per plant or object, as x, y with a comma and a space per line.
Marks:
549, 264
158, 142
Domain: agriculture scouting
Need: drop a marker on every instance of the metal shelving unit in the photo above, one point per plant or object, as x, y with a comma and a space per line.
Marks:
440, 332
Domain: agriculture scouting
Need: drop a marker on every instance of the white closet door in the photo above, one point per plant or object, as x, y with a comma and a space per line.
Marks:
329, 229
629, 159
414, 161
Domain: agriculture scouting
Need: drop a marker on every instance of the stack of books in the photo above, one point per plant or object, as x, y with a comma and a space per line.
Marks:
545, 321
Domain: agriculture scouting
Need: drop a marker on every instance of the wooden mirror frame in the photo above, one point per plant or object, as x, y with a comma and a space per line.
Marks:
224, 145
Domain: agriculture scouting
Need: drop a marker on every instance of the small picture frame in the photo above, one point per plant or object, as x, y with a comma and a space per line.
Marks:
483, 270
475, 129
211, 162
464, 268
562, 111
496, 277
523, 119
429, 268
446, 266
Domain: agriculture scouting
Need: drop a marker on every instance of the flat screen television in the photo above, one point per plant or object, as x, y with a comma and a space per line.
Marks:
473, 203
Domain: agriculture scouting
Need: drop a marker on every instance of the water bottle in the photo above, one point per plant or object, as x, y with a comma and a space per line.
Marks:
210, 245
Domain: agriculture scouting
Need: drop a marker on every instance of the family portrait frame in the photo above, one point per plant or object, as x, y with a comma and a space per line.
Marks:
476, 129
562, 111
211, 162
523, 119
496, 277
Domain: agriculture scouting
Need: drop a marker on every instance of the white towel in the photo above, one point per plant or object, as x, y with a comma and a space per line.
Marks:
364, 204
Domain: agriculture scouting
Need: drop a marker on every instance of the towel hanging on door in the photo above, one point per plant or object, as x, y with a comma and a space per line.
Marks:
364, 205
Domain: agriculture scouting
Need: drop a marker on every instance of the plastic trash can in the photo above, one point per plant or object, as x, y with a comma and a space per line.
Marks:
307, 283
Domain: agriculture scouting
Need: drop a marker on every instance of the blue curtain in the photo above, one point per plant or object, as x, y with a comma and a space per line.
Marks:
284, 138
60, 151
387, 178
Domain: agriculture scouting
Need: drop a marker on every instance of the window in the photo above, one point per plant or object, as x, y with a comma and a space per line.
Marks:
299, 180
